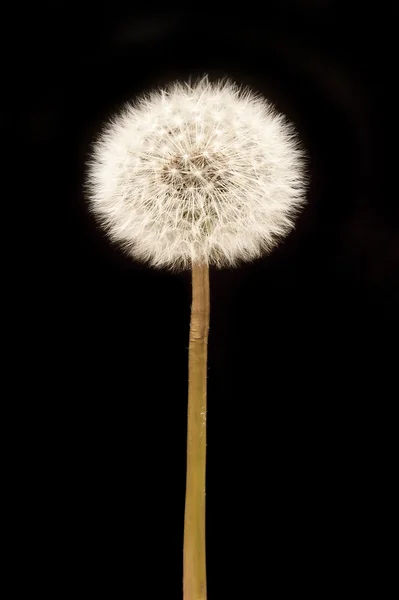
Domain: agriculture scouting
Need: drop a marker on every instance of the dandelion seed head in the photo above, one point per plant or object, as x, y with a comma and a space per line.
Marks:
197, 173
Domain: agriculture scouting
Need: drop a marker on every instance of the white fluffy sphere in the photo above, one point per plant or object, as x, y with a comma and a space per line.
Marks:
197, 173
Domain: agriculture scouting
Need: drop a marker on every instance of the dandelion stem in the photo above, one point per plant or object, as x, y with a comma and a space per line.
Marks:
194, 562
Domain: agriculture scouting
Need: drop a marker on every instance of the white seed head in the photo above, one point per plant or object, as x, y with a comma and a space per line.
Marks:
197, 173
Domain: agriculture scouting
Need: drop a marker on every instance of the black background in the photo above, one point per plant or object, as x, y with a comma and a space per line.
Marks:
302, 342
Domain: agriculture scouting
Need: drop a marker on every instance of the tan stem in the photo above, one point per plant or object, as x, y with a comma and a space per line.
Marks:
194, 564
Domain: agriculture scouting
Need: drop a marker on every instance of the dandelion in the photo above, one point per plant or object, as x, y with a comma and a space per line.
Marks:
196, 175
